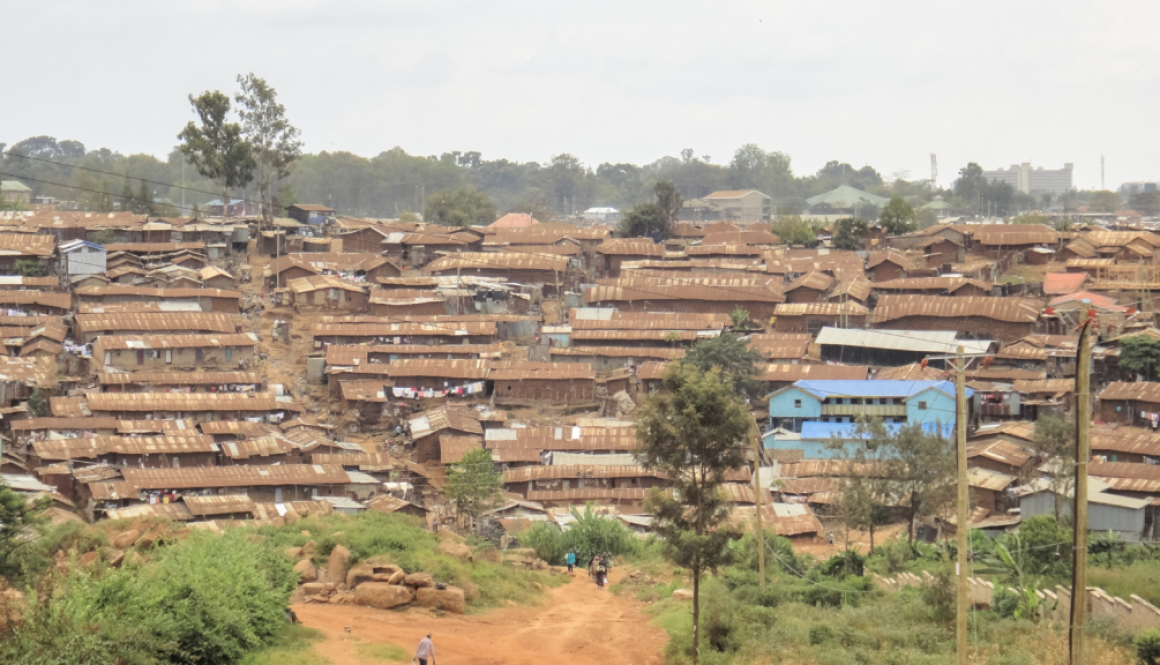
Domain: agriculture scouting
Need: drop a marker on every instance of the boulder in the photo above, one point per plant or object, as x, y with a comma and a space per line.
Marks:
360, 573
457, 550
89, 558
397, 578
306, 571
147, 541
116, 557
683, 594
321, 599
124, 541
331, 586
490, 555
624, 403
314, 588
309, 548
382, 595
296, 597
294, 553
450, 599
342, 599
419, 580
134, 559
387, 569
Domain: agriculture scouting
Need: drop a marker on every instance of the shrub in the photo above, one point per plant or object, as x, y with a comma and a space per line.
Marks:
1005, 602
1148, 647
820, 633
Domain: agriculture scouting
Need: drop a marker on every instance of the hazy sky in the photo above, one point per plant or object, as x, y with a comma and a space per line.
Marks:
884, 83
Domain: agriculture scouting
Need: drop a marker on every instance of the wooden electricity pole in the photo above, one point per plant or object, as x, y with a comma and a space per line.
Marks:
1083, 407
758, 502
964, 508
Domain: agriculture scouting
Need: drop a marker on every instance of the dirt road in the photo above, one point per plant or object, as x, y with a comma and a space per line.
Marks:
578, 625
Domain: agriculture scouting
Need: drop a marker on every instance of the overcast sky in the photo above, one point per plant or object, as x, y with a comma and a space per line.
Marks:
884, 83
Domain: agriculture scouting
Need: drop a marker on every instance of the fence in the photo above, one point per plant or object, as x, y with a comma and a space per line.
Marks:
1132, 616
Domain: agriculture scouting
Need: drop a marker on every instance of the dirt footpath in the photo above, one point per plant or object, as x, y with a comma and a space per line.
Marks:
578, 625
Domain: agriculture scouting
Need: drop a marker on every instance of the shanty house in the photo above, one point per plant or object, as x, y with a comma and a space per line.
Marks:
326, 293
352, 266
1005, 319
812, 317
271, 483
429, 427
175, 406
36, 248
616, 252
91, 326
846, 401
1136, 403
562, 383
999, 240
507, 266
161, 351
209, 300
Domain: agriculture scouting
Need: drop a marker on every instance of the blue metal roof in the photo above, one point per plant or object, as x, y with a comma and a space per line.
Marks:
815, 430
873, 388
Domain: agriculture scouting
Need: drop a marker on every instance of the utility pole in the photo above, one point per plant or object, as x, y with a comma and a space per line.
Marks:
964, 518
758, 502
1083, 407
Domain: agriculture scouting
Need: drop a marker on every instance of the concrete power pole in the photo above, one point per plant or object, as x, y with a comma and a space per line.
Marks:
962, 607
1083, 407
933, 172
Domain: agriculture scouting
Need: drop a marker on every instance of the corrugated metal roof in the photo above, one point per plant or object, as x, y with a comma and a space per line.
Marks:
1004, 374
159, 294
1013, 310
1138, 391
595, 318
178, 378
655, 335
911, 372
589, 494
631, 247
236, 476
782, 372
497, 261
1013, 234
948, 284
520, 370
172, 511
154, 321
529, 473
817, 281
62, 449
1124, 470
988, 479
920, 341
82, 423
111, 342
262, 446
156, 425
363, 391
62, 301
618, 352
562, 438
239, 427
438, 368
368, 462
849, 308
1001, 451
27, 244
436, 420
452, 448
1055, 386
311, 283
406, 329
137, 402
669, 291
219, 504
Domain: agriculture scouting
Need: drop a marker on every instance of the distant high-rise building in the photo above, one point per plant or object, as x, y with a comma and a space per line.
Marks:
1130, 188
1026, 179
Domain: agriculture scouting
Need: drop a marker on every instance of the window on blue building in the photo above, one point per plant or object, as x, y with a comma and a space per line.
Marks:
922, 406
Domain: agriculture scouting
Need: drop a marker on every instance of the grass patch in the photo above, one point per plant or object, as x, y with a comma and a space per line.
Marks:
391, 653
294, 645
1141, 578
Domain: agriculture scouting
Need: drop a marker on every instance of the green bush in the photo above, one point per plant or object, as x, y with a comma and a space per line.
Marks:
1148, 647
820, 633
590, 534
1005, 602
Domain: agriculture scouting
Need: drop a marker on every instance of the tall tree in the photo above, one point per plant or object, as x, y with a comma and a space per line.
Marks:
848, 233
645, 219
128, 198
754, 168
897, 217
669, 200
1105, 201
731, 355
1141, 354
144, 199
794, 230
1055, 438
917, 465
693, 432
275, 141
17, 516
465, 206
216, 147
473, 484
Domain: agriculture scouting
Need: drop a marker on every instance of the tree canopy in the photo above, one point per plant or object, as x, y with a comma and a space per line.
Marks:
897, 217
1141, 354
464, 206
275, 142
215, 147
693, 432
473, 484
729, 353
848, 233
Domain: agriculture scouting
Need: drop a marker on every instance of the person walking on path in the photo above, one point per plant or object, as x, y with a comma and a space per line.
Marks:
425, 651
601, 571
571, 560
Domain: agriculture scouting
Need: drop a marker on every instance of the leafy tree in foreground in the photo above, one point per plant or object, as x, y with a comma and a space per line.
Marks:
739, 364
216, 147
275, 141
1141, 354
897, 217
17, 516
1056, 438
465, 206
473, 483
693, 432
848, 233
792, 229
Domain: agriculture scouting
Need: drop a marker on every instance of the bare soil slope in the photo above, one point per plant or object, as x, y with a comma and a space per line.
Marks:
579, 625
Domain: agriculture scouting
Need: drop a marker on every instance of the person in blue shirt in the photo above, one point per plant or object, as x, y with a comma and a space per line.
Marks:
571, 560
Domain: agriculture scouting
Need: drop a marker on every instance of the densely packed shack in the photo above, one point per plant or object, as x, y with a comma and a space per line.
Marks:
206, 369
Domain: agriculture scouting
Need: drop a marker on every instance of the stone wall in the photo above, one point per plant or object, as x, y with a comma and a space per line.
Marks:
1133, 616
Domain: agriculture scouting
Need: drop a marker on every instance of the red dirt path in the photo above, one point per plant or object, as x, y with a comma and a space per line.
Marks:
578, 625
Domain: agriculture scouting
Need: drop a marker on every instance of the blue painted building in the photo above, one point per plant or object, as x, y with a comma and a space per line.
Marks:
816, 411
815, 438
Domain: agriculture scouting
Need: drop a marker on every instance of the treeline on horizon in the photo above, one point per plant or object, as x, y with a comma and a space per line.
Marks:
395, 182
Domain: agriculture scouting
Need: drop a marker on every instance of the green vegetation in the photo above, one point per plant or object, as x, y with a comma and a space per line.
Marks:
693, 432
273, 140
589, 535
387, 653
464, 206
216, 147
653, 218
292, 645
473, 484
897, 217
730, 354
16, 517
28, 268
1141, 354
793, 230
848, 233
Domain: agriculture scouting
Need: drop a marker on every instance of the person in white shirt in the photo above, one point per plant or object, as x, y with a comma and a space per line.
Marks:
426, 650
